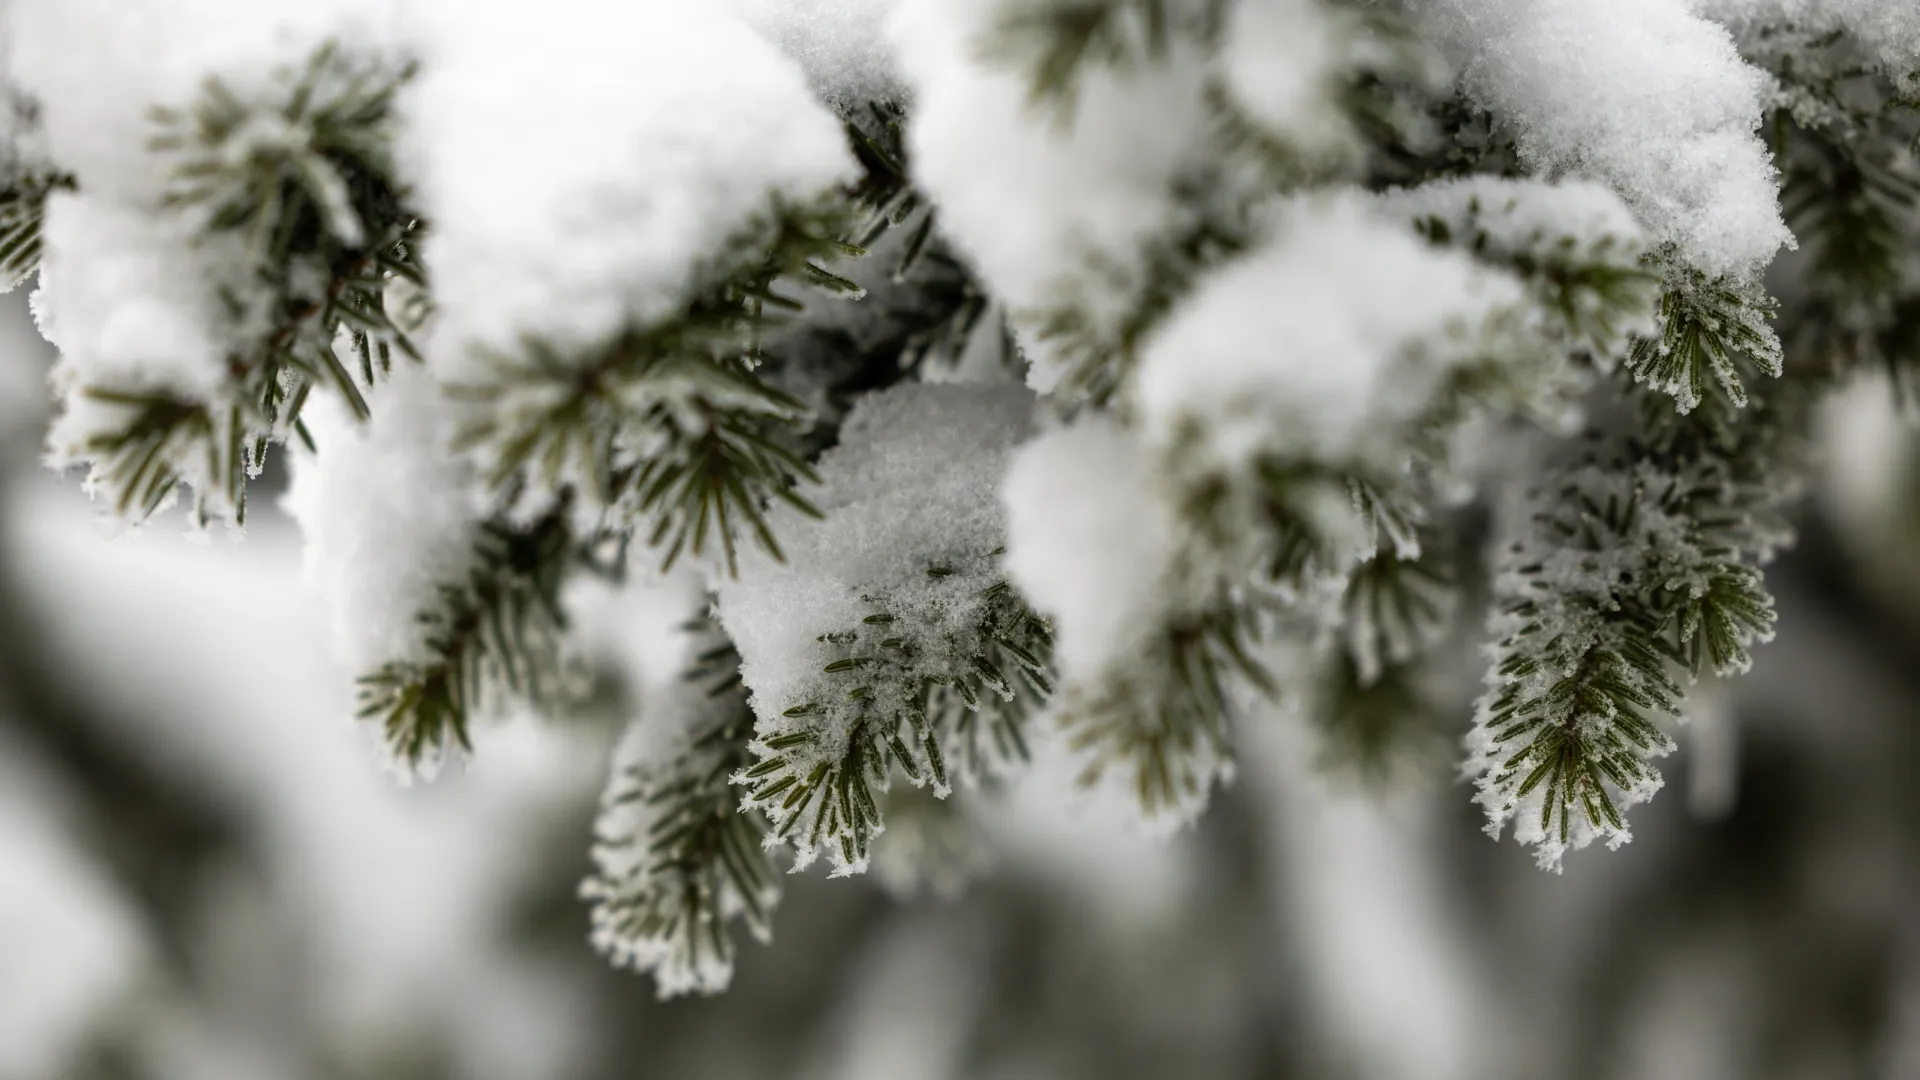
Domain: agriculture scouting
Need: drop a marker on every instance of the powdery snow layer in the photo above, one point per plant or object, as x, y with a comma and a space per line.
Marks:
1519, 216
841, 44
96, 67
387, 518
1558, 230
1322, 343
1642, 95
1090, 541
139, 295
1281, 61
1039, 199
130, 298
582, 161
910, 487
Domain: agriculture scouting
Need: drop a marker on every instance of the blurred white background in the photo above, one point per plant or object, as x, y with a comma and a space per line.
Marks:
204, 873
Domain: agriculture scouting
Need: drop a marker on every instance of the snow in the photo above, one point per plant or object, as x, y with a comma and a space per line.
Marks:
387, 516
1642, 95
1572, 592
910, 486
96, 68
1090, 542
134, 305
139, 297
1558, 230
75, 949
1042, 202
1888, 29
125, 296
643, 763
391, 907
1522, 216
630, 171
1322, 344
1281, 63
912, 527
841, 44
642, 634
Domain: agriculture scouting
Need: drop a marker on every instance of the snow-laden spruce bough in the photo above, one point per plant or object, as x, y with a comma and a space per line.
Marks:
1077, 379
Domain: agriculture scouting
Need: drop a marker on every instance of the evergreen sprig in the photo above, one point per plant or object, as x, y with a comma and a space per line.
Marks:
1851, 193
1377, 727
925, 312
667, 429
1097, 353
303, 174
1853, 205
1160, 718
1641, 563
1394, 607
491, 636
1591, 291
668, 439
23, 208
295, 175
1055, 42
160, 438
934, 700
1708, 327
677, 859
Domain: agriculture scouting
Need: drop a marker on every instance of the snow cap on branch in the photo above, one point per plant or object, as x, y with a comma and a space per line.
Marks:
1323, 343
842, 45
1090, 541
96, 68
1642, 95
387, 517
910, 486
1040, 199
646, 138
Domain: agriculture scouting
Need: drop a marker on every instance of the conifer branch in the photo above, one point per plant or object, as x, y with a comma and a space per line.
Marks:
676, 860
306, 179
1394, 607
667, 429
1591, 289
23, 207
1376, 728
940, 701
492, 636
1159, 718
1640, 563
1853, 206
924, 314
1099, 354
1707, 327
1056, 41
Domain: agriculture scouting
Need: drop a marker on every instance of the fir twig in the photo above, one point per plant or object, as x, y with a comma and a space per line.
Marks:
23, 207
677, 861
1707, 327
305, 177
666, 427
491, 636
934, 706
